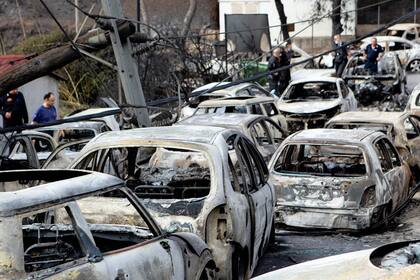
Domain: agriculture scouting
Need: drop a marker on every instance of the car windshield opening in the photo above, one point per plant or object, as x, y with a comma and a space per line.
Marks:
322, 160
311, 91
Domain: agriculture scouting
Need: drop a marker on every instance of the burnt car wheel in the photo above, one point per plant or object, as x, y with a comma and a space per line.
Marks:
414, 66
208, 272
239, 264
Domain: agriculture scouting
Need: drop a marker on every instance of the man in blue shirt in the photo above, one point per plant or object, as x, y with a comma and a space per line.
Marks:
47, 112
373, 55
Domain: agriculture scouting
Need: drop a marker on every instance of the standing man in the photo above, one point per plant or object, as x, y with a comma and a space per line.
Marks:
274, 63
373, 55
13, 109
341, 54
47, 112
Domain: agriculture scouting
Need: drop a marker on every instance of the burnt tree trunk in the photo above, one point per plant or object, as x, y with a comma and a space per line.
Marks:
283, 19
56, 58
337, 27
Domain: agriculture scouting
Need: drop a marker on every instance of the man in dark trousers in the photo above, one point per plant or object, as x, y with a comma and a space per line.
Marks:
274, 63
373, 55
340, 57
13, 109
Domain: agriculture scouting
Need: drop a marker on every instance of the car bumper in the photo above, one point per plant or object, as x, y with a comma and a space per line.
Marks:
325, 218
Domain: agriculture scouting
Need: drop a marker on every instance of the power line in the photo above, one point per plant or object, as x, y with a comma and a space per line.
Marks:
264, 74
96, 17
74, 45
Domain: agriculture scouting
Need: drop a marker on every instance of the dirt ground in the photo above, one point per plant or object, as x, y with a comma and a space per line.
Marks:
292, 247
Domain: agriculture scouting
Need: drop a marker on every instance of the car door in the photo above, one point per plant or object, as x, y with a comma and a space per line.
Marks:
58, 245
390, 175
262, 139
64, 154
19, 153
260, 197
345, 107
131, 244
412, 128
348, 97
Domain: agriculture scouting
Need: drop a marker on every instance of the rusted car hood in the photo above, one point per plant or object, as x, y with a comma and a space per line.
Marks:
308, 107
318, 192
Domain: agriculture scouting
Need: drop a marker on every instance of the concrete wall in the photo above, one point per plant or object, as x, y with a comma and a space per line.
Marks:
34, 92
296, 10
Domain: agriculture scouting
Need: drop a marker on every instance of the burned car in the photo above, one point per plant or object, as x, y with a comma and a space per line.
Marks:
407, 51
388, 85
401, 127
264, 106
207, 180
413, 104
26, 149
310, 103
49, 231
262, 131
338, 179
400, 260
199, 95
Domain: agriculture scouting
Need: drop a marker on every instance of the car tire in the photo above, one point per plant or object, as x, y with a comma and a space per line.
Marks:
386, 212
414, 66
272, 238
239, 265
208, 271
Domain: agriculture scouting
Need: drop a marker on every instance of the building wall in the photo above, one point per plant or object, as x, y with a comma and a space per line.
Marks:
369, 19
295, 10
34, 92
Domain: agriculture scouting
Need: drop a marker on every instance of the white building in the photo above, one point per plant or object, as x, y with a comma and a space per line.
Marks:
296, 11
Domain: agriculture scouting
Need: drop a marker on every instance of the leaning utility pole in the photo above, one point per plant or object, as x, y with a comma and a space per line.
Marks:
127, 66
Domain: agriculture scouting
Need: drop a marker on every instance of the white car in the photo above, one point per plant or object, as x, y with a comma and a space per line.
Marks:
408, 51
207, 180
408, 31
310, 103
388, 262
199, 94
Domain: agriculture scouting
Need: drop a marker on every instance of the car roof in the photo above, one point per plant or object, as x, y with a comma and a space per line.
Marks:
233, 89
233, 101
178, 133
62, 186
224, 120
387, 38
403, 26
326, 135
369, 117
72, 125
316, 79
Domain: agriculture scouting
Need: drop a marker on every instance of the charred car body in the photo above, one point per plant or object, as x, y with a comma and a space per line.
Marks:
391, 261
207, 180
387, 85
200, 94
338, 179
401, 127
48, 232
413, 104
310, 103
264, 133
264, 106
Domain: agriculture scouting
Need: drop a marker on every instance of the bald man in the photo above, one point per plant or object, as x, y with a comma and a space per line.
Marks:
274, 63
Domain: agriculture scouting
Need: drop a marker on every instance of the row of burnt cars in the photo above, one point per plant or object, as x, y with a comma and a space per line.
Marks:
201, 199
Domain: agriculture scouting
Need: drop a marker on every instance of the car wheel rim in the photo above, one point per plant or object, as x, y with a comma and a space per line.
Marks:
415, 66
